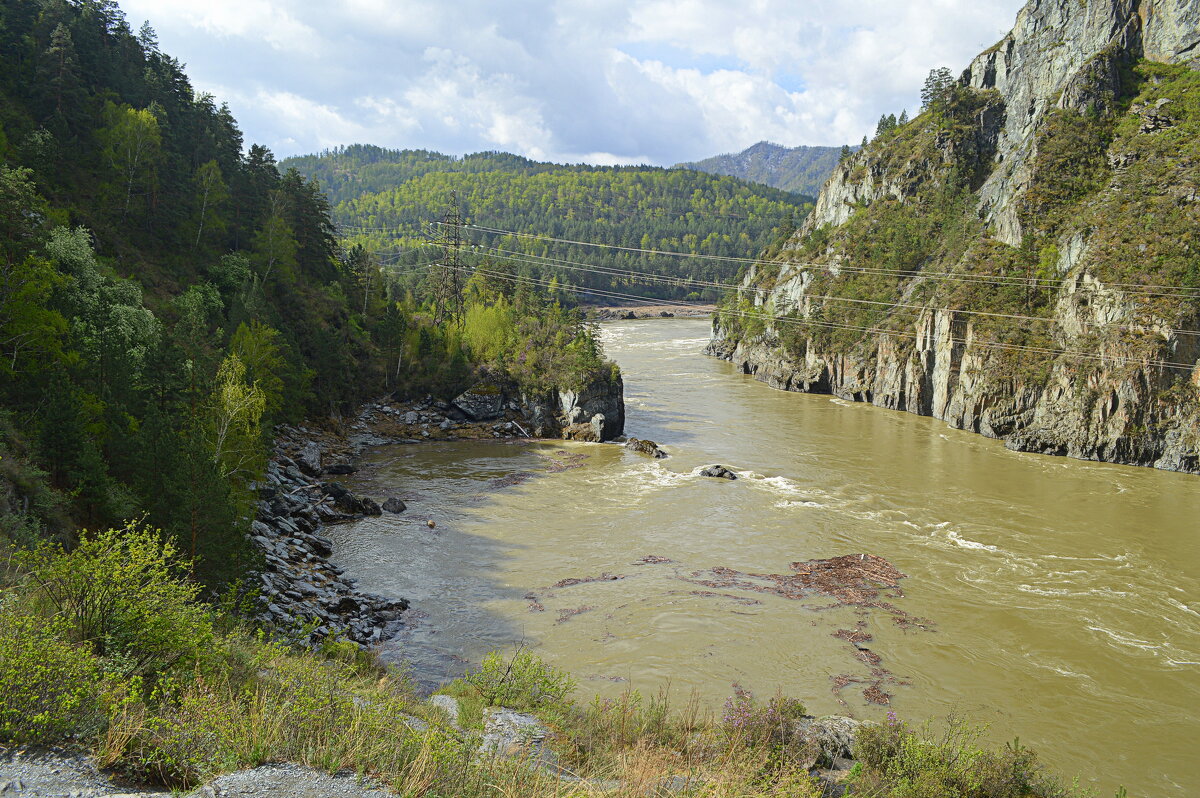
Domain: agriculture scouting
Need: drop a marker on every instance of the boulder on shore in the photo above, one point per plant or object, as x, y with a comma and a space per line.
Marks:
649, 448
483, 402
581, 432
309, 459
717, 472
516, 735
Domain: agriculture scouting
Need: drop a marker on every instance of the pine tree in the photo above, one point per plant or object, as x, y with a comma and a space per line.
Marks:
938, 85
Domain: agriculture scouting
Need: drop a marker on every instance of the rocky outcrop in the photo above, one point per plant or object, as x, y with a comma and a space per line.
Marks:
1115, 379
593, 412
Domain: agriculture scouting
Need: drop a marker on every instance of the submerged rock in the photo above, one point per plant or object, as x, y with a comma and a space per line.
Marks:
394, 505
717, 472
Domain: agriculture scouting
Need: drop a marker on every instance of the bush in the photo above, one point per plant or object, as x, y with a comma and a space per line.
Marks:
521, 681
772, 726
49, 688
123, 593
900, 761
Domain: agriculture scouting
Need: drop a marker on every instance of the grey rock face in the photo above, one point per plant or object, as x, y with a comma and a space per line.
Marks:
448, 704
832, 737
600, 403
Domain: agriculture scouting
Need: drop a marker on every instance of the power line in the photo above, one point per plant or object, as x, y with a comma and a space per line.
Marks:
1193, 293
838, 326
689, 282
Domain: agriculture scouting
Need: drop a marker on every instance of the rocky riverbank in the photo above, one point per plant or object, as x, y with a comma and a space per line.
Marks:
664, 311
306, 596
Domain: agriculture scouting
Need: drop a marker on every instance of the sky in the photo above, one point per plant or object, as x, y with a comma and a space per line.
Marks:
595, 81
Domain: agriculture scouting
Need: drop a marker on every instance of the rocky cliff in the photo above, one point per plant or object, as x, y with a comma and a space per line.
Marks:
593, 411
1020, 259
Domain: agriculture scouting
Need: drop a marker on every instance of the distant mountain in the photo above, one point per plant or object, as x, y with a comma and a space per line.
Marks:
802, 170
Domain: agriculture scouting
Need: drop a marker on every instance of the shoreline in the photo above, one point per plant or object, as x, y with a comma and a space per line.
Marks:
660, 311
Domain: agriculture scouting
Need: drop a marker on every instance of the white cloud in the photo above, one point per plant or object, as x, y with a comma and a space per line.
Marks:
262, 20
553, 78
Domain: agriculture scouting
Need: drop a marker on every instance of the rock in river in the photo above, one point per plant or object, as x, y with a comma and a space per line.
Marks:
394, 505
645, 447
718, 472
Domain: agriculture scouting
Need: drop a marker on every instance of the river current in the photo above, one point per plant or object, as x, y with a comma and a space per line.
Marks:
1062, 597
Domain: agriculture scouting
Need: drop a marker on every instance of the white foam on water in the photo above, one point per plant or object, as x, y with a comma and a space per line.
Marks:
1045, 591
785, 504
1166, 653
841, 402
1179, 605
640, 479
1060, 670
967, 543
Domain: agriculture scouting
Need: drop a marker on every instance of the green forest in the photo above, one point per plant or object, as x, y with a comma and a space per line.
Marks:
168, 295
386, 200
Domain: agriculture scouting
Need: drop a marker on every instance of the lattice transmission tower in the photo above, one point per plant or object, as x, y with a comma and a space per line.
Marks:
448, 273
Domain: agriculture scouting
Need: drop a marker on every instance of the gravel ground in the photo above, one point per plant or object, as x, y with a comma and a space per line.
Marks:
58, 774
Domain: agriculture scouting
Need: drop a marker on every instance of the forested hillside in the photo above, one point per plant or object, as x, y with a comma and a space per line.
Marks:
167, 296
386, 200
802, 170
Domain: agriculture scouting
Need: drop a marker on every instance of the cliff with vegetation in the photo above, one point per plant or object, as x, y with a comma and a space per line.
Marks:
1020, 259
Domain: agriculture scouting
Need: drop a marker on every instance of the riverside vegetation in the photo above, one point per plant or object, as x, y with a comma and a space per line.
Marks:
166, 299
107, 646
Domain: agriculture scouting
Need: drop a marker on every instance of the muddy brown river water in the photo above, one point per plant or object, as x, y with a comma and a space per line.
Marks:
1062, 597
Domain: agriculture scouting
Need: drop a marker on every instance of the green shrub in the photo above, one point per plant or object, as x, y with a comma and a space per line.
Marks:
900, 762
123, 593
49, 688
521, 681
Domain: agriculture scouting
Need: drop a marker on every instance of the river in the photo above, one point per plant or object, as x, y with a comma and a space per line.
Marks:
1063, 596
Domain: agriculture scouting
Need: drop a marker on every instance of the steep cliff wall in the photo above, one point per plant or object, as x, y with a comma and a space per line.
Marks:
1021, 260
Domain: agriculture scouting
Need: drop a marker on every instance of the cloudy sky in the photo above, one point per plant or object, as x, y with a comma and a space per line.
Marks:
601, 81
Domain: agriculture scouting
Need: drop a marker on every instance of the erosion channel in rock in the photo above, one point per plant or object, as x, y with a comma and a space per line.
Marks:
1051, 598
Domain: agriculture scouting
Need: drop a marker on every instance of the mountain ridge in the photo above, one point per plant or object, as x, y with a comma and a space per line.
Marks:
802, 170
